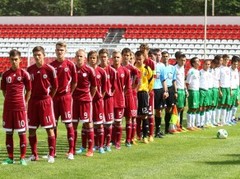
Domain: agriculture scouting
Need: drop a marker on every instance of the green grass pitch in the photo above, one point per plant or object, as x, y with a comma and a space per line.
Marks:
190, 155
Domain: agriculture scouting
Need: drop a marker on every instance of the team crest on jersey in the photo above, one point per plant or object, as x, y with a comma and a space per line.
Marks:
84, 74
66, 69
19, 78
122, 75
98, 76
44, 76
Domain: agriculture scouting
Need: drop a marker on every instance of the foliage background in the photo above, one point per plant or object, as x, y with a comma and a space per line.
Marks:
120, 7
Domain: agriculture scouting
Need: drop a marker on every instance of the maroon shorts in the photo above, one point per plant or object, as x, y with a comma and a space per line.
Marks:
40, 112
98, 112
63, 108
82, 111
14, 120
118, 114
151, 102
131, 108
108, 110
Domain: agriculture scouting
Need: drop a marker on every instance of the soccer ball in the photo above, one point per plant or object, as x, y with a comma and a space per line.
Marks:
222, 134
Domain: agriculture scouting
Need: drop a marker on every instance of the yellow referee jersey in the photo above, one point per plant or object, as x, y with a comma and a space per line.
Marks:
146, 78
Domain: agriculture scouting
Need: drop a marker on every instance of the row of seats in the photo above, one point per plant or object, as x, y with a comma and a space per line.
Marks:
163, 31
120, 26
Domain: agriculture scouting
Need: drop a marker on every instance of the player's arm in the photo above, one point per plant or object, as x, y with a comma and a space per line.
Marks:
27, 95
74, 78
113, 79
163, 77
4, 92
150, 79
54, 83
127, 81
104, 82
174, 81
136, 78
93, 90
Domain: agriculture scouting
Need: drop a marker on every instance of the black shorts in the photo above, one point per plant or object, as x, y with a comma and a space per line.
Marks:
171, 100
143, 102
159, 102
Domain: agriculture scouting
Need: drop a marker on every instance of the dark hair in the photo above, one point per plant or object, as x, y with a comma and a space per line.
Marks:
126, 50
38, 48
181, 55
14, 53
217, 57
225, 56
177, 54
138, 53
91, 52
103, 50
235, 59
193, 60
156, 50
164, 52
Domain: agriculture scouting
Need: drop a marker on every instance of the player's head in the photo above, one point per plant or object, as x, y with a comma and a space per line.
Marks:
15, 58
80, 57
126, 55
117, 58
218, 60
165, 57
226, 60
235, 62
158, 53
92, 58
195, 62
139, 58
61, 49
181, 60
177, 54
39, 54
152, 55
144, 48
103, 56
206, 64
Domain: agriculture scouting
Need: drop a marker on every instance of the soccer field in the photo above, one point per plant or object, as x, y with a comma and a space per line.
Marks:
197, 154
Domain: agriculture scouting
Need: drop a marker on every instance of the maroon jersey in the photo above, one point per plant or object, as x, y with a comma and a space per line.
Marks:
86, 79
149, 62
101, 79
66, 74
14, 84
111, 77
121, 83
134, 76
43, 79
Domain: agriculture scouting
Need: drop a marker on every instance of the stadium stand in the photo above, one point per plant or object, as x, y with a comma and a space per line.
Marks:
189, 38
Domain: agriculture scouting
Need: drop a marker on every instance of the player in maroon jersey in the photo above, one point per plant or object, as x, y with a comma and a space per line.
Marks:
131, 102
108, 97
122, 85
144, 48
82, 103
67, 80
98, 104
40, 106
16, 88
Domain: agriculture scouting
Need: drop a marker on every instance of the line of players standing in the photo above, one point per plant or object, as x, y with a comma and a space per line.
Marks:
100, 95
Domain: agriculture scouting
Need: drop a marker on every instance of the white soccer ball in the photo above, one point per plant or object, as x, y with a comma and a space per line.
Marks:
222, 134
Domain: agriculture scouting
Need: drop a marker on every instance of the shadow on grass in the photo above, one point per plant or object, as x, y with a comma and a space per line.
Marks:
227, 162
234, 161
